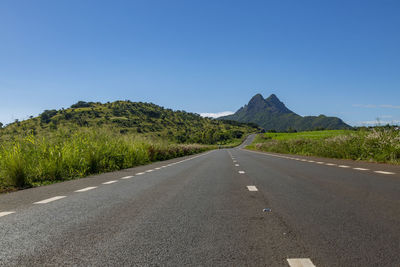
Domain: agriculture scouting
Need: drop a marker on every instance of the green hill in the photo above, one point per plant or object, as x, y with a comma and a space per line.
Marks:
127, 118
90, 138
272, 114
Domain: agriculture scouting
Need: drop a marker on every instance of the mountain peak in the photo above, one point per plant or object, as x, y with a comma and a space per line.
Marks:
257, 102
257, 98
275, 105
272, 104
273, 97
271, 113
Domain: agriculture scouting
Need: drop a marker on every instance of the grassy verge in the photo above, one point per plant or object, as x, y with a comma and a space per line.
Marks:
32, 161
376, 145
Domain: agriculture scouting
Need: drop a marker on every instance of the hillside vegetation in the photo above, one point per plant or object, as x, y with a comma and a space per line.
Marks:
91, 138
128, 117
379, 144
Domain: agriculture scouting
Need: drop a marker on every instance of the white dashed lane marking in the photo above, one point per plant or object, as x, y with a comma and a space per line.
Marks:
241, 172
149, 170
45, 201
127, 177
383, 172
237, 165
110, 182
5, 213
140, 173
85, 189
330, 164
343, 166
320, 162
252, 188
300, 263
361, 169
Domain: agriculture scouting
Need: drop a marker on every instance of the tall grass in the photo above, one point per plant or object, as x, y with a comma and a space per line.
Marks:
31, 160
377, 145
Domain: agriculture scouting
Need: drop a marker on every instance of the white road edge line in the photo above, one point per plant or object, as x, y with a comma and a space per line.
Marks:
45, 201
5, 213
110, 182
85, 189
312, 161
252, 188
383, 172
300, 262
127, 177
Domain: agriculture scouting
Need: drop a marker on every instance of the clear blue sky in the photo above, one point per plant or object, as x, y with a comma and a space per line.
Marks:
339, 58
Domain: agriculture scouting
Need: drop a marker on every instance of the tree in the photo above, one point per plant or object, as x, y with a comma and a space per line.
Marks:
46, 115
82, 104
1, 125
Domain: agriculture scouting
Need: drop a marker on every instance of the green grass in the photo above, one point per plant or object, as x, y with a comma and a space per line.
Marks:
375, 145
306, 134
33, 161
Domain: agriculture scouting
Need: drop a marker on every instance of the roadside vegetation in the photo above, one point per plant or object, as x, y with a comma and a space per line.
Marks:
375, 144
85, 139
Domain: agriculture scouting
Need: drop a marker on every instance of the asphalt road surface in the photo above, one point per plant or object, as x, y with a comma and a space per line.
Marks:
227, 207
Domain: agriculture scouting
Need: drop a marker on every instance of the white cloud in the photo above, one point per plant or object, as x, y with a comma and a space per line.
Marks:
375, 106
376, 122
217, 114
364, 106
389, 106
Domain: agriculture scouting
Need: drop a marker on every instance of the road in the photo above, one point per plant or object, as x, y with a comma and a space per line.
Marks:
227, 207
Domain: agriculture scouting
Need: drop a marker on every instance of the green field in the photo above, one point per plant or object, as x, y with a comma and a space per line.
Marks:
306, 135
378, 144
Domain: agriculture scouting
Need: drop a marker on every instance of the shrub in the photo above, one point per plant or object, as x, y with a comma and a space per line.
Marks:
13, 166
